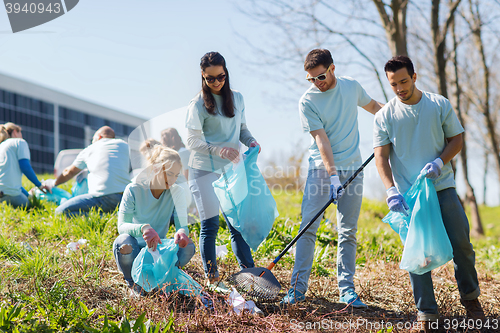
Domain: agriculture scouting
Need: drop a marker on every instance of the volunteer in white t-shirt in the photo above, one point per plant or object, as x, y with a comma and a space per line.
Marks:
14, 162
329, 112
146, 209
216, 124
107, 160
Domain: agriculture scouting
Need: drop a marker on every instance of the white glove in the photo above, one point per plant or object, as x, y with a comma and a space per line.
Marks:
49, 183
335, 193
433, 169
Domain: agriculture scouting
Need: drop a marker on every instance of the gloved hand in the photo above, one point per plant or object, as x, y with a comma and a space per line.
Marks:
335, 193
433, 168
181, 238
231, 154
150, 236
255, 144
396, 202
49, 184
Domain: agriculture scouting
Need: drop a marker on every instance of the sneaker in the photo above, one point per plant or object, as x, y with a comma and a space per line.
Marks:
474, 309
352, 299
293, 296
136, 291
218, 287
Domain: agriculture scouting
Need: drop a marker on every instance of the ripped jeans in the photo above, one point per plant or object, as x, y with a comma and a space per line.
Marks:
124, 261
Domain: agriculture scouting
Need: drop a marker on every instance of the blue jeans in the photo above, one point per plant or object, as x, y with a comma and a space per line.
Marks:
85, 202
200, 183
16, 200
316, 195
457, 227
124, 261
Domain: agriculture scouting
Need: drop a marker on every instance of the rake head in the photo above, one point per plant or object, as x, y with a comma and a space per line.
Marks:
257, 282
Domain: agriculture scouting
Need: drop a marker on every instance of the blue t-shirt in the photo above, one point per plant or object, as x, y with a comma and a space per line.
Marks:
139, 207
417, 134
108, 163
334, 110
218, 130
11, 151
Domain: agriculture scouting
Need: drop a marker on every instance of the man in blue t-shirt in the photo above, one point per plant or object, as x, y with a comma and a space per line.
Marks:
329, 111
419, 131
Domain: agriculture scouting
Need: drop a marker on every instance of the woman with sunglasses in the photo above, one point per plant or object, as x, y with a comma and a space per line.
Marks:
216, 125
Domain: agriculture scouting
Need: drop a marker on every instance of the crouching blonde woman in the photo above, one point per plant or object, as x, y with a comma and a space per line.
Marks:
145, 211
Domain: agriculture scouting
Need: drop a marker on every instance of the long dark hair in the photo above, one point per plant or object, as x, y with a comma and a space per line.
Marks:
216, 59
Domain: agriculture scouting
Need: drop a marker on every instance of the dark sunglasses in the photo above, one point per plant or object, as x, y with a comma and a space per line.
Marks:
211, 79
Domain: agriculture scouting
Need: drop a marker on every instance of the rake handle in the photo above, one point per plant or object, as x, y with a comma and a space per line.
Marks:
354, 175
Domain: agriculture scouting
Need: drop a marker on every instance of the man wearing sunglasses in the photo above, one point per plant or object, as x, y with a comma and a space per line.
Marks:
328, 110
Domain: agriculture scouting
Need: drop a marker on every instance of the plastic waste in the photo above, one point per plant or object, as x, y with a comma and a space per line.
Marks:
246, 199
75, 246
239, 304
426, 243
221, 251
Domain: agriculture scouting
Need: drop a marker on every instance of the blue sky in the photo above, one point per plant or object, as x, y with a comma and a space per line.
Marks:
142, 57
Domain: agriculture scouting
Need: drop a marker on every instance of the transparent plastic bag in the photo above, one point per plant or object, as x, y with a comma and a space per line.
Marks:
426, 243
253, 213
156, 270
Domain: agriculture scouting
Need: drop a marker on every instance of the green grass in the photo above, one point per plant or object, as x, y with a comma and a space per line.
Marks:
43, 289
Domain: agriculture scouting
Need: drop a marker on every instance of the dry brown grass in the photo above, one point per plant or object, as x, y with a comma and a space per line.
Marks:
381, 285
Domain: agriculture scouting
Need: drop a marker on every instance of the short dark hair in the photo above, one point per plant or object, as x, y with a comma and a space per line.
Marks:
398, 62
318, 57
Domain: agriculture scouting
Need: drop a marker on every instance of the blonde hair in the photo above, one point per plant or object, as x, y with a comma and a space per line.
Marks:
161, 156
11, 127
147, 147
4, 135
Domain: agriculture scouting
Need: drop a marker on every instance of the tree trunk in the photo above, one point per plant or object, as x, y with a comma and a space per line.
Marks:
490, 123
470, 198
439, 39
395, 26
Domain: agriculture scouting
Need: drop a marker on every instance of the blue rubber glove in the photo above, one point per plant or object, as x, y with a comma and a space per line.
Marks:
336, 189
433, 169
396, 202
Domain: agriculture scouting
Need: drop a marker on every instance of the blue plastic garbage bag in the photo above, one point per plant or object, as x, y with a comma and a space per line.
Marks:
426, 243
81, 184
246, 200
58, 195
157, 269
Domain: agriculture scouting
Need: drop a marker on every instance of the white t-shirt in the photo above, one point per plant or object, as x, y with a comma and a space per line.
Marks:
417, 134
218, 130
11, 151
108, 163
335, 111
139, 207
